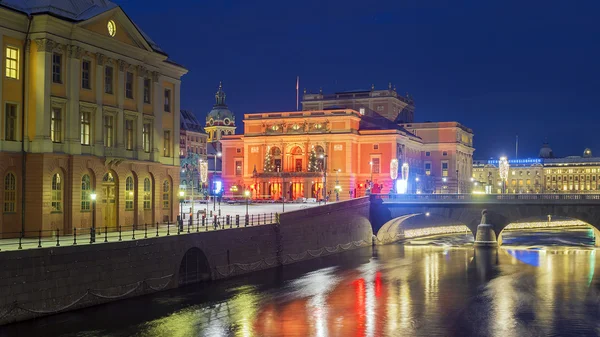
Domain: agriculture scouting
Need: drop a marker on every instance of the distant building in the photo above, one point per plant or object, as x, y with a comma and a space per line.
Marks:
386, 103
547, 174
220, 121
192, 138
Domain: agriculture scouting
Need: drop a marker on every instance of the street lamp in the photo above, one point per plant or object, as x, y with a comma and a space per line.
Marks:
247, 193
93, 236
324, 157
218, 154
371, 181
338, 188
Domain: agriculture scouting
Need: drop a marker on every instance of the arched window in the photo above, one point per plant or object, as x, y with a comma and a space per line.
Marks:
86, 187
166, 194
184, 182
147, 193
129, 193
56, 193
320, 161
10, 193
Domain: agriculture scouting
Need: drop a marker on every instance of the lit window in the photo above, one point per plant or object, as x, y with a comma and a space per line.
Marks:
56, 193
129, 85
56, 125
166, 194
12, 62
10, 127
10, 193
108, 80
362, 111
147, 86
147, 193
129, 192
56, 68
375, 165
238, 168
85, 128
146, 136
86, 187
128, 134
167, 100
428, 169
108, 131
444, 169
167, 144
85, 74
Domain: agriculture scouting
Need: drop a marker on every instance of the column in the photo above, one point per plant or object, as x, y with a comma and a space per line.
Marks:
72, 132
98, 140
2, 75
176, 123
138, 146
43, 61
120, 120
159, 106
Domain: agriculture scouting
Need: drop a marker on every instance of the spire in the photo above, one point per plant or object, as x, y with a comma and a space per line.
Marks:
220, 96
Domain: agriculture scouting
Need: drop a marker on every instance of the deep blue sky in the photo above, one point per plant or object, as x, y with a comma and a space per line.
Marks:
500, 67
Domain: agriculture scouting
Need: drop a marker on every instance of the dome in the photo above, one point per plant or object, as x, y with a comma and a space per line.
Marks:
587, 153
546, 151
220, 114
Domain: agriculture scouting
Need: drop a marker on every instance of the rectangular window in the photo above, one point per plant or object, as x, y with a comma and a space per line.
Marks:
375, 165
129, 134
56, 125
129, 85
10, 126
85, 74
56, 68
147, 87
167, 144
146, 137
167, 100
85, 128
10, 193
238, 167
428, 169
108, 80
108, 131
427, 154
444, 169
375, 146
12, 62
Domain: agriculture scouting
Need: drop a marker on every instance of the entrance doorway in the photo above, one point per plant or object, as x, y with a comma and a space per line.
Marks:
109, 201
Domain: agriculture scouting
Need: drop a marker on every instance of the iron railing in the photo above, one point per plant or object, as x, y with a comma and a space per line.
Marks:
489, 198
102, 234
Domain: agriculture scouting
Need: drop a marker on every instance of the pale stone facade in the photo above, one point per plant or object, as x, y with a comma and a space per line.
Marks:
94, 100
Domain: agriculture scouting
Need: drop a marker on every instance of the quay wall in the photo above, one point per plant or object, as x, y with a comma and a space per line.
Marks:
38, 282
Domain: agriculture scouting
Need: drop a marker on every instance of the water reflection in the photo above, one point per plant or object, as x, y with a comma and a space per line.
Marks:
396, 290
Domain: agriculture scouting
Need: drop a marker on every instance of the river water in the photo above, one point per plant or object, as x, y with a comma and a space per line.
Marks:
536, 284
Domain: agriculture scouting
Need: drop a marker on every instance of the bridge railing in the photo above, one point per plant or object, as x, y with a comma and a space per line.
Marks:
102, 234
489, 198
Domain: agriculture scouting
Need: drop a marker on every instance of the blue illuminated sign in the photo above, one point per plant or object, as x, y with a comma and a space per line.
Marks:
517, 161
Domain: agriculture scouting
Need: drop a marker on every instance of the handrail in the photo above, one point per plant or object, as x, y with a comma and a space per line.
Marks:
491, 198
103, 234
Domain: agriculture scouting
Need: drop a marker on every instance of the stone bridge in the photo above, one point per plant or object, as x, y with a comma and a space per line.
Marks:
389, 213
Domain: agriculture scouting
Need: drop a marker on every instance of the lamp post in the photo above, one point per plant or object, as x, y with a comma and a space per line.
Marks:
218, 154
247, 194
371, 180
93, 236
324, 157
181, 197
337, 185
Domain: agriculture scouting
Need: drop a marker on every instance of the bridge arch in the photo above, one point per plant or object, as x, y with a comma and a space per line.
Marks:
430, 224
550, 223
194, 267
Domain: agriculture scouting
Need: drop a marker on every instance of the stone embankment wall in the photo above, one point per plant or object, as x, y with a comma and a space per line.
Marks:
45, 281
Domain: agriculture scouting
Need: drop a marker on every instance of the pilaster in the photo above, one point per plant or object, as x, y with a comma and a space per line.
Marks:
43, 61
2, 76
139, 101
120, 120
98, 140
158, 104
176, 123
72, 127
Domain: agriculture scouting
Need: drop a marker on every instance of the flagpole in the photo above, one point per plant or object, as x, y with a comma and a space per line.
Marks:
297, 93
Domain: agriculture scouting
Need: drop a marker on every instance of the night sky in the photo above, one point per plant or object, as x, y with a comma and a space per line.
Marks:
501, 68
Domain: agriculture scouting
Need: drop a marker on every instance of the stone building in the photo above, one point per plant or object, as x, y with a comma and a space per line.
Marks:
192, 138
89, 106
288, 154
545, 174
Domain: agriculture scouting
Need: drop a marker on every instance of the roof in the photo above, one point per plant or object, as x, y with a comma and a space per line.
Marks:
72, 10
189, 122
374, 121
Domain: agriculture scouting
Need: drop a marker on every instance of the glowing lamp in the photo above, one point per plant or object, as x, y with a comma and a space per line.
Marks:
181, 193
93, 196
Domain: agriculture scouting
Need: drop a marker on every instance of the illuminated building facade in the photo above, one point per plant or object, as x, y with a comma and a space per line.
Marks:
89, 106
301, 154
547, 174
192, 138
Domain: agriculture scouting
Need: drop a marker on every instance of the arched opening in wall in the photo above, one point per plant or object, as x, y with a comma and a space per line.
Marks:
549, 231
425, 228
194, 267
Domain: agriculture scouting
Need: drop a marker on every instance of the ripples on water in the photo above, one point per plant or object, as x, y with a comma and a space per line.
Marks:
535, 285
